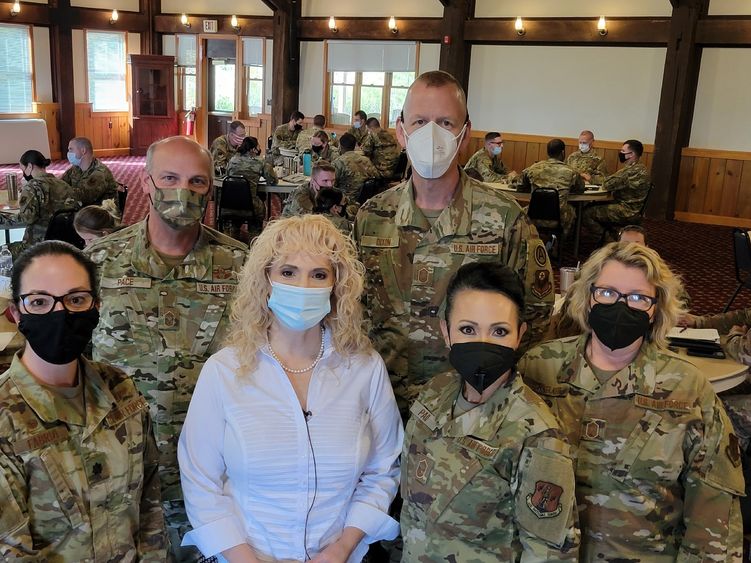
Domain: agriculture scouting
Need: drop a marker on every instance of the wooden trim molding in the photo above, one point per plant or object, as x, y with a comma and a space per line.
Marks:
261, 26
713, 219
410, 29
716, 153
721, 31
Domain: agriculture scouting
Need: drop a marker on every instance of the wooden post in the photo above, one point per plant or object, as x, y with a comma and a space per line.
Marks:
151, 40
676, 111
455, 50
61, 37
286, 64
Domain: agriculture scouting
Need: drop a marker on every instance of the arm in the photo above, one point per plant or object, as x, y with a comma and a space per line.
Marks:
578, 185
723, 322
615, 181
269, 174
485, 167
151, 541
600, 173
67, 176
29, 205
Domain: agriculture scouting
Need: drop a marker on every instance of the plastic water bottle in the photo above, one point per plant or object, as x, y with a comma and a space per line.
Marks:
6, 262
307, 162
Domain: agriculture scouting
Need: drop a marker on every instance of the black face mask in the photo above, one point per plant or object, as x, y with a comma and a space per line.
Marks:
621, 157
481, 364
318, 149
618, 325
298, 127
28, 177
59, 337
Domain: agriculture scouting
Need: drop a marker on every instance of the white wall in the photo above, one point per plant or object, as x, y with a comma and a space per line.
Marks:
125, 5
42, 66
729, 8
430, 57
311, 77
559, 91
225, 7
570, 8
722, 119
368, 8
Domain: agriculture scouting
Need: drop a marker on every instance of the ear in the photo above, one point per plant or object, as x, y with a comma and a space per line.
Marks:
147, 185
400, 133
14, 312
522, 331
445, 333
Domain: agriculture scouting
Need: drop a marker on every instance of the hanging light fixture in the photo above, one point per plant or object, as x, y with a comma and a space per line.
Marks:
392, 25
234, 23
519, 27
602, 26
114, 17
184, 21
332, 25
15, 9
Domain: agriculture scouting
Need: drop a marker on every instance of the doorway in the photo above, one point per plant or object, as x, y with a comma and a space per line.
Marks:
221, 58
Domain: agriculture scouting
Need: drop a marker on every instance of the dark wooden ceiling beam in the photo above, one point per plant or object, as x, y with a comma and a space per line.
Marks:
409, 29
88, 18
31, 14
723, 31
456, 51
249, 26
277, 5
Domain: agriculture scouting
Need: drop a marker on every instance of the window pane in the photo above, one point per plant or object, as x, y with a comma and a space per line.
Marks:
396, 103
370, 100
106, 70
255, 96
402, 78
224, 87
341, 104
255, 72
15, 69
344, 77
374, 78
189, 91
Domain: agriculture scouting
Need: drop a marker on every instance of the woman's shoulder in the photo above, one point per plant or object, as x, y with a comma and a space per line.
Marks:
547, 357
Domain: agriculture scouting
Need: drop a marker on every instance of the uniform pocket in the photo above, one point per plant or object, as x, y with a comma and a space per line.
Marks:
67, 500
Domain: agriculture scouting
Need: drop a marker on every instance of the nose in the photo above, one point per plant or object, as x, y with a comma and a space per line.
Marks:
58, 306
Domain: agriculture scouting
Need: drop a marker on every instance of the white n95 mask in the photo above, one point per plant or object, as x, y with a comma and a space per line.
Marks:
431, 149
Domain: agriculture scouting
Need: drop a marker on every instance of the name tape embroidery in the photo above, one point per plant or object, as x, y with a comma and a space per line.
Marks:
128, 409
40, 440
126, 281
662, 404
480, 448
474, 248
424, 415
379, 242
202, 287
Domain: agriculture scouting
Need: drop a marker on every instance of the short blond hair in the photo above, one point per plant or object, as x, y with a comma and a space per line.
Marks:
250, 318
669, 306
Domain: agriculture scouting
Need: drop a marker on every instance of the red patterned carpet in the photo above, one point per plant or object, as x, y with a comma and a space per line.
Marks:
701, 254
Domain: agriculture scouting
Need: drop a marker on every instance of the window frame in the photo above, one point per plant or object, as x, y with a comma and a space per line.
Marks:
124, 35
180, 75
30, 36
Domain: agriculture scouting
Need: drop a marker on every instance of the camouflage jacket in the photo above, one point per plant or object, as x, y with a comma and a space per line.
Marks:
409, 264
302, 143
341, 223
658, 466
299, 202
330, 154
493, 484
352, 171
39, 200
159, 325
358, 134
630, 186
74, 488
381, 147
491, 169
589, 163
552, 173
93, 185
252, 168
723, 322
284, 138
222, 151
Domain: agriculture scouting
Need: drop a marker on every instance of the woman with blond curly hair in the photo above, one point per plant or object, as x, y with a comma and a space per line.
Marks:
290, 447
658, 473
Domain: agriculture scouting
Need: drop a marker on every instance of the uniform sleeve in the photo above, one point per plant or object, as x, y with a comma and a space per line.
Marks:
615, 182
713, 482
219, 154
67, 175
269, 174
485, 167
93, 189
600, 173
723, 322
578, 185
368, 145
29, 205
545, 504
151, 535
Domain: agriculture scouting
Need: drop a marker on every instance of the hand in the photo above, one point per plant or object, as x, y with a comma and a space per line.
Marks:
334, 553
587, 177
687, 320
738, 330
513, 174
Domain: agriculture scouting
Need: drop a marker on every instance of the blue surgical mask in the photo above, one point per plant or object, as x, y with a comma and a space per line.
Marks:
73, 159
357, 124
497, 150
299, 308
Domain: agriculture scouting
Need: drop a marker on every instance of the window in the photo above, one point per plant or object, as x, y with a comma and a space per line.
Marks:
255, 89
16, 91
222, 77
342, 97
186, 72
254, 55
379, 94
105, 57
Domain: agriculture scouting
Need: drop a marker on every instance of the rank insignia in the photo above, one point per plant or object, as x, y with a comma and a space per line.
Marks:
422, 470
733, 450
545, 502
542, 285
592, 429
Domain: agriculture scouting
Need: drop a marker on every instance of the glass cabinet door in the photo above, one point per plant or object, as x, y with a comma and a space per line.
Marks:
151, 91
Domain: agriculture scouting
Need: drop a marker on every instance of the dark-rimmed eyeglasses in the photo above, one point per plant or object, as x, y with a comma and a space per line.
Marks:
43, 303
608, 296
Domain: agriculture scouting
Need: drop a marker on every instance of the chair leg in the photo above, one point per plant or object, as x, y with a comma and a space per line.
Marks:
738, 289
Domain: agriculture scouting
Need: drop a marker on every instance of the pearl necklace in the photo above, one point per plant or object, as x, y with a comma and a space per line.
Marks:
310, 367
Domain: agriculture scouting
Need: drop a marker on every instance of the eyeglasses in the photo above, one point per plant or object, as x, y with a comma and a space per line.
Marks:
42, 303
608, 296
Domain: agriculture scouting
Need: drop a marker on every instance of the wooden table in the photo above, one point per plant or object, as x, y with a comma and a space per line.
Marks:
722, 374
592, 193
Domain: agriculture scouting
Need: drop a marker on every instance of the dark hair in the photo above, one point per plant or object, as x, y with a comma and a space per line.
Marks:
555, 148
373, 122
486, 276
248, 144
50, 248
328, 198
489, 136
296, 115
34, 158
319, 120
635, 146
94, 219
474, 173
361, 114
347, 142
235, 125
321, 135
633, 229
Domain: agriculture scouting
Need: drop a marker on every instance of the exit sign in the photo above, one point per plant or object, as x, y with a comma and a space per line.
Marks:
210, 26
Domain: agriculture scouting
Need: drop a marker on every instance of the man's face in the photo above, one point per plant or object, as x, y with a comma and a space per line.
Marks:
628, 154
179, 164
586, 140
236, 137
493, 145
438, 104
76, 149
323, 179
633, 236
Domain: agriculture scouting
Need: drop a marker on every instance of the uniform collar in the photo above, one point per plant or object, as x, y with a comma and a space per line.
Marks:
197, 264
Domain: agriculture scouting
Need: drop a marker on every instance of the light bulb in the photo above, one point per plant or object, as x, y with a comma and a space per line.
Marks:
233, 22
113, 17
15, 9
184, 20
392, 25
602, 26
519, 26
332, 24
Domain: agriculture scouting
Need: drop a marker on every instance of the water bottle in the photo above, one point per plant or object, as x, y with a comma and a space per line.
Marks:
307, 163
6, 261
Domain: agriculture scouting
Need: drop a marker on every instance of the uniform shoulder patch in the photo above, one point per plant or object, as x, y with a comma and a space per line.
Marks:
542, 285
545, 500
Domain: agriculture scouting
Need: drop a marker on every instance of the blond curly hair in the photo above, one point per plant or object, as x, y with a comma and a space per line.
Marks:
250, 317
669, 306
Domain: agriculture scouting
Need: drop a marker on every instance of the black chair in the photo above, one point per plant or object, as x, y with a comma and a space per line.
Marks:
742, 252
122, 197
371, 187
235, 201
545, 212
401, 166
613, 228
61, 228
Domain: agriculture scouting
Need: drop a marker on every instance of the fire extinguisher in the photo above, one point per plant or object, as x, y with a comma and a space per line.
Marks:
190, 121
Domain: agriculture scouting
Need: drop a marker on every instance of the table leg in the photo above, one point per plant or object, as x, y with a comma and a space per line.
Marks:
579, 211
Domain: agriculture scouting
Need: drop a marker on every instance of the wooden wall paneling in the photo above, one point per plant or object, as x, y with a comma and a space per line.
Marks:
530, 156
730, 188
699, 177
684, 184
744, 191
49, 112
715, 181
107, 140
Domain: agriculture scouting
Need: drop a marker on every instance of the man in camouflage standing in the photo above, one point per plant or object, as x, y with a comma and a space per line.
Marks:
166, 284
413, 237
380, 147
225, 146
89, 177
586, 161
487, 161
554, 173
352, 168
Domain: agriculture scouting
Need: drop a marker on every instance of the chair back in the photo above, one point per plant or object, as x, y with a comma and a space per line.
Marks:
61, 228
646, 199
235, 194
742, 252
122, 197
544, 205
371, 187
401, 166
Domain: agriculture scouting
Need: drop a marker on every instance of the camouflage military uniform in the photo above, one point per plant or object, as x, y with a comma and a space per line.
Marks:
629, 186
329, 154
358, 134
589, 163
381, 147
658, 468
474, 485
284, 138
491, 169
252, 168
159, 325
40, 198
409, 264
93, 185
302, 143
300, 201
340, 222
352, 171
552, 173
222, 151
723, 322
77, 485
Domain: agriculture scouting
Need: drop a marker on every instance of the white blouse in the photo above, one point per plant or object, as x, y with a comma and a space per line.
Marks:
249, 474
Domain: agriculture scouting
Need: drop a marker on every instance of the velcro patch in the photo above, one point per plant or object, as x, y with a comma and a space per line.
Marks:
125, 281
548, 390
480, 448
733, 450
422, 414
545, 500
474, 248
40, 440
422, 469
379, 242
661, 404
593, 429
542, 286
124, 411
202, 287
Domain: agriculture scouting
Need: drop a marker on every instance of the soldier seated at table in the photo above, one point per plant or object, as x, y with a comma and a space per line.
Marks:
302, 143
285, 136
359, 129
302, 200
352, 168
554, 173
322, 149
381, 148
487, 161
91, 179
587, 162
224, 147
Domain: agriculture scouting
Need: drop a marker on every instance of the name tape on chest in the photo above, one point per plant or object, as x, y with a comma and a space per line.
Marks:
662, 404
474, 248
419, 411
126, 410
379, 242
125, 281
202, 287
40, 440
480, 448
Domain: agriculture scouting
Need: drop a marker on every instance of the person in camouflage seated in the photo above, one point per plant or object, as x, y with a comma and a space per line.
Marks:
329, 203
413, 237
302, 143
167, 282
246, 162
89, 177
359, 129
285, 136
487, 161
321, 148
381, 148
630, 186
486, 473
352, 168
658, 465
224, 147
302, 200
41, 197
590, 166
78, 462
